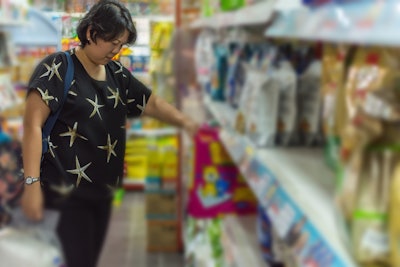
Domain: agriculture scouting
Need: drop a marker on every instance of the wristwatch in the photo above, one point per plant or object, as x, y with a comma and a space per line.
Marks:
30, 180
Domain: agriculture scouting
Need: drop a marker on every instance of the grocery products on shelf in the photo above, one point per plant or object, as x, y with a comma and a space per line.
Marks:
311, 120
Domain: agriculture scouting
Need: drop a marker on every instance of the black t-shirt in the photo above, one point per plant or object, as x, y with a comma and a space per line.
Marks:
88, 139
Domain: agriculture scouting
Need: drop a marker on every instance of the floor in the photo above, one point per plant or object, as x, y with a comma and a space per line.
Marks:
126, 242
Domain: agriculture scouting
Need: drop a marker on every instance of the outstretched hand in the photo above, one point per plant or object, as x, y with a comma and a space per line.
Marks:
191, 127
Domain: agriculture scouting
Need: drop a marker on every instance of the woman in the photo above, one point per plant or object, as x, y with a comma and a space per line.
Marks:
89, 137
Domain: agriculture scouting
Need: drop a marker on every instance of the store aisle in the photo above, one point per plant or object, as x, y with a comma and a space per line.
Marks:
126, 242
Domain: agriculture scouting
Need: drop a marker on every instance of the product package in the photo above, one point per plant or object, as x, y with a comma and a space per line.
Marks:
216, 186
219, 72
333, 99
310, 104
23, 240
369, 228
283, 71
204, 59
236, 73
261, 99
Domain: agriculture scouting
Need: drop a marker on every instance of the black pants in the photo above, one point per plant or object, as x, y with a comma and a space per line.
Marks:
82, 229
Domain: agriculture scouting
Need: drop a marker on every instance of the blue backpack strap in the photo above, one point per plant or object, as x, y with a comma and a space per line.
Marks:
51, 120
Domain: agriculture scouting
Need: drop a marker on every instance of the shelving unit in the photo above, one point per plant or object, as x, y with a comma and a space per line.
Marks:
296, 179
295, 185
259, 13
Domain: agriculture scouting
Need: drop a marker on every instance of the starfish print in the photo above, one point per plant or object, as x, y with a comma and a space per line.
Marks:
129, 100
45, 96
96, 107
80, 171
73, 134
72, 93
52, 70
143, 106
112, 188
115, 95
62, 189
109, 148
51, 147
120, 68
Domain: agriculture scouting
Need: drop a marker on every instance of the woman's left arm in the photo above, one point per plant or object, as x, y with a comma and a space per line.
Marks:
160, 109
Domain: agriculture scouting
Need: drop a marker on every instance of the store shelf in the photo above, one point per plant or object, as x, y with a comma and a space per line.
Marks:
155, 17
8, 22
134, 183
240, 243
152, 132
355, 22
259, 13
292, 185
38, 30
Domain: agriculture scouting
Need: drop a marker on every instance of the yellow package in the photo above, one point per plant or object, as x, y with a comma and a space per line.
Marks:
333, 80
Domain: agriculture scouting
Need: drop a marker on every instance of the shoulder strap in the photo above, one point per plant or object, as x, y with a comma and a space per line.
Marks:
51, 120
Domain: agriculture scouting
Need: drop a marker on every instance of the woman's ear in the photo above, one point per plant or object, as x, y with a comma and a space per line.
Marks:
88, 35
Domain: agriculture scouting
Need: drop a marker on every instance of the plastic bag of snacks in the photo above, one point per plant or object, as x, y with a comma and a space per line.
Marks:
34, 244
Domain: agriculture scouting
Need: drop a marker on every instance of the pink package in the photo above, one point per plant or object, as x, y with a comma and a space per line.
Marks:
217, 187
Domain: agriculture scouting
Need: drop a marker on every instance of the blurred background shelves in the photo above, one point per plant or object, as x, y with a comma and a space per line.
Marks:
295, 186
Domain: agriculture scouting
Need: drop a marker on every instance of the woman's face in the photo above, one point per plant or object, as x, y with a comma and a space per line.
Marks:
103, 51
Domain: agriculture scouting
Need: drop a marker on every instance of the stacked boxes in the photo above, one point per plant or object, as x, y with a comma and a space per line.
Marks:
162, 195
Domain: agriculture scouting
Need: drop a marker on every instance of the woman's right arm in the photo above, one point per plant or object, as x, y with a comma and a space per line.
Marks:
36, 113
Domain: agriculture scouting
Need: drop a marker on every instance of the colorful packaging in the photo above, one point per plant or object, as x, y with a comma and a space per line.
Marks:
310, 106
219, 72
261, 106
244, 98
334, 112
369, 227
236, 74
287, 111
216, 187
227, 5
204, 58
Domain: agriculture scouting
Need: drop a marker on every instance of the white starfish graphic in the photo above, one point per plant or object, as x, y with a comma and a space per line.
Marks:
52, 70
52, 147
129, 100
80, 171
116, 96
45, 96
73, 134
96, 107
113, 188
120, 70
109, 148
72, 93
143, 106
62, 189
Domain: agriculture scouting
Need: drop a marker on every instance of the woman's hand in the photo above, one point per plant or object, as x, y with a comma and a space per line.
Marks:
32, 202
191, 127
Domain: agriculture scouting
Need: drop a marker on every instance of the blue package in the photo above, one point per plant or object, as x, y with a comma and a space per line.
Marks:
220, 72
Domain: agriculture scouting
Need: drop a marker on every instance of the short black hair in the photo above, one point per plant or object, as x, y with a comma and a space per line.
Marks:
108, 20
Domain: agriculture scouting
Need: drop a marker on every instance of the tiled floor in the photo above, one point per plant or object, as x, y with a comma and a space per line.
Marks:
126, 242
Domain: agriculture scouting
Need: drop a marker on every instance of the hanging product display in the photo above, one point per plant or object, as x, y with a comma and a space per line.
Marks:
216, 186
